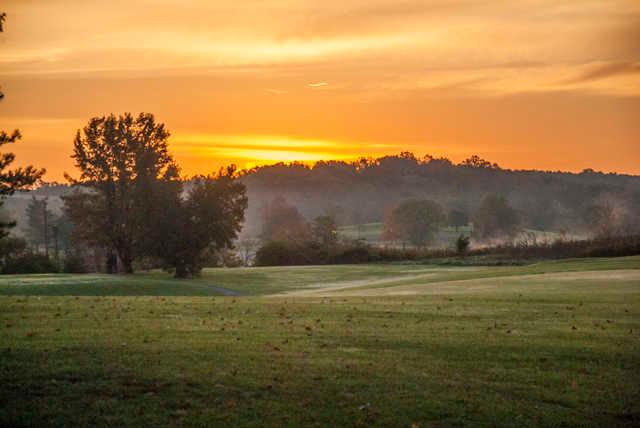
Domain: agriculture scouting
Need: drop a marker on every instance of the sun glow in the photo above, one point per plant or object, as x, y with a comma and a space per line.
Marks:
527, 84
253, 150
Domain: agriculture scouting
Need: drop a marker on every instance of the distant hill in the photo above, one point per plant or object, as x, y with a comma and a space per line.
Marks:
361, 192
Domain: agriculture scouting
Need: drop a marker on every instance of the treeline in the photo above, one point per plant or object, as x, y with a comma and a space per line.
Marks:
367, 190
495, 231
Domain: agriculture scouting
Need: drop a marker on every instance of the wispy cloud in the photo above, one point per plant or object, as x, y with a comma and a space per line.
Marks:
603, 71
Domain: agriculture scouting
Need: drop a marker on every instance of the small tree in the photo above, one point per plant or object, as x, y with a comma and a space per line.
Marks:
325, 231
417, 221
495, 218
476, 161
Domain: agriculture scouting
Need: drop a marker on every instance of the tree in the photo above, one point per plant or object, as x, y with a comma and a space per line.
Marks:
458, 218
603, 219
12, 180
416, 221
462, 244
121, 161
476, 161
40, 222
495, 218
283, 222
325, 231
84, 210
208, 218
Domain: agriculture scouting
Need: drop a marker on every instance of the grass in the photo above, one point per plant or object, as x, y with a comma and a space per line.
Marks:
272, 280
513, 346
258, 281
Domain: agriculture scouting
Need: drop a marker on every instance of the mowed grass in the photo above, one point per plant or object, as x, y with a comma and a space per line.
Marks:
277, 280
212, 282
520, 348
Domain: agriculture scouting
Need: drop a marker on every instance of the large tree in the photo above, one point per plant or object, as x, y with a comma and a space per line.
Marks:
415, 221
40, 222
121, 161
15, 179
208, 217
282, 221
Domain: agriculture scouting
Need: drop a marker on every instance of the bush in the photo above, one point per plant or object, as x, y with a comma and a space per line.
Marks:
352, 255
277, 253
29, 263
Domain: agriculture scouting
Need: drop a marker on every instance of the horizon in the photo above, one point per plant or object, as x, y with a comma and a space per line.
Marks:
423, 160
530, 86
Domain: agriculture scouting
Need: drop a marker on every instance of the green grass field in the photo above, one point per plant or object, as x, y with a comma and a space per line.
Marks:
548, 344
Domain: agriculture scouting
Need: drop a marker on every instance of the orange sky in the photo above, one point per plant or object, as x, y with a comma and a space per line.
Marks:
545, 84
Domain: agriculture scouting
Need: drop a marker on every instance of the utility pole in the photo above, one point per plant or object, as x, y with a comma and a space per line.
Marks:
46, 227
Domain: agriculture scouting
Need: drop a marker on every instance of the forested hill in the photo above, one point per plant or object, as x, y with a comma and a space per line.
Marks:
363, 191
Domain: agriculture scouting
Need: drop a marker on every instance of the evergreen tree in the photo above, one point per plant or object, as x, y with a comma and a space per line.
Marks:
15, 179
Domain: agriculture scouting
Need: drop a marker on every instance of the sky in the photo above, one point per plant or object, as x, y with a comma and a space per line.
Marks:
530, 84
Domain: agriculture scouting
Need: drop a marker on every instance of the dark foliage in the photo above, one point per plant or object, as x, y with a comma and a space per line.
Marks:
365, 190
29, 263
462, 244
282, 254
208, 219
74, 263
120, 160
495, 218
282, 221
414, 221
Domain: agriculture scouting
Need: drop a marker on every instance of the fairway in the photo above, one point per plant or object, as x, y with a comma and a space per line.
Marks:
547, 344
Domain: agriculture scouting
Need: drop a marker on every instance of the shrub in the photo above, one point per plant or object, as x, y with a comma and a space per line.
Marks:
29, 263
277, 253
352, 255
462, 244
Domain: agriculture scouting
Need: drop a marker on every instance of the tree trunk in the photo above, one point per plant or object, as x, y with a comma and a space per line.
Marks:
125, 258
127, 263
181, 271
111, 262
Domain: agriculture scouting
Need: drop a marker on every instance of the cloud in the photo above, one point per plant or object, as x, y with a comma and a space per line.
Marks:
604, 71
317, 84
